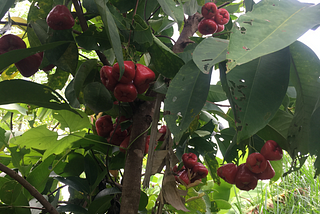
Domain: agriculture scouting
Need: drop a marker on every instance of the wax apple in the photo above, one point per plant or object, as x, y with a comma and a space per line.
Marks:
129, 72
189, 160
207, 26
125, 92
245, 179
29, 65
11, 42
268, 173
271, 150
228, 172
104, 126
60, 18
124, 144
222, 16
107, 79
199, 171
143, 77
256, 163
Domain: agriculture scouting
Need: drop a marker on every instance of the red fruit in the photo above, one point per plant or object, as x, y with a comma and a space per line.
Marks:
245, 179
222, 16
117, 136
162, 130
207, 26
129, 72
183, 177
200, 171
189, 160
107, 79
220, 28
11, 42
104, 126
143, 77
124, 144
209, 10
60, 18
271, 150
256, 163
228, 172
29, 65
146, 148
175, 169
48, 67
268, 173
125, 92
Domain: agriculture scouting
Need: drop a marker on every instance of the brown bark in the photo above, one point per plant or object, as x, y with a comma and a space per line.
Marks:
133, 166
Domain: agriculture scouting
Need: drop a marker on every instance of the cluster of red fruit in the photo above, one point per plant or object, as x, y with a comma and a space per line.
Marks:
191, 171
257, 166
214, 19
117, 136
135, 80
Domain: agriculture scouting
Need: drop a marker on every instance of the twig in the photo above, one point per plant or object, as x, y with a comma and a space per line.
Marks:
57, 190
25, 207
166, 37
33, 191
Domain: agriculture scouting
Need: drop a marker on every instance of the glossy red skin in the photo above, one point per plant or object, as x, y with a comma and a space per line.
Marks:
143, 76
245, 179
268, 173
183, 175
199, 172
209, 10
142, 88
207, 26
104, 126
60, 18
29, 65
222, 16
256, 163
107, 79
162, 130
11, 42
124, 144
117, 136
220, 28
271, 150
228, 172
125, 92
189, 160
129, 72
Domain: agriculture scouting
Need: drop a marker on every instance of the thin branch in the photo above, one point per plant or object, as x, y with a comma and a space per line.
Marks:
132, 21
32, 190
25, 207
57, 190
168, 37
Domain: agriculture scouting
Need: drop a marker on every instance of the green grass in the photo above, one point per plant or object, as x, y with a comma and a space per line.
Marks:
296, 193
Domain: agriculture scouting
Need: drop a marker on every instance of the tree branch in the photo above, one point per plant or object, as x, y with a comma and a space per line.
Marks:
33, 191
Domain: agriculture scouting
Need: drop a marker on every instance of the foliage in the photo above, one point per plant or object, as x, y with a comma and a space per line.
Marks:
47, 129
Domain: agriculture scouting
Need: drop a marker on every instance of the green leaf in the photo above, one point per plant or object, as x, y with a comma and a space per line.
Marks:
72, 208
210, 52
253, 105
97, 97
190, 7
315, 138
271, 26
39, 176
174, 10
112, 32
216, 94
92, 39
100, 205
143, 201
72, 166
15, 108
91, 169
123, 5
71, 120
185, 98
4, 7
79, 184
9, 191
13, 56
162, 56
305, 72
58, 79
22, 91
278, 169
90, 6
71, 95
212, 165
198, 204
142, 32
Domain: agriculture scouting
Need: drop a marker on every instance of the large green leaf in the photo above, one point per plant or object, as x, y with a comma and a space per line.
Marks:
112, 31
216, 94
92, 39
185, 98
173, 10
97, 97
271, 26
22, 91
142, 32
72, 121
305, 72
4, 7
166, 62
210, 52
257, 89
17, 55
315, 138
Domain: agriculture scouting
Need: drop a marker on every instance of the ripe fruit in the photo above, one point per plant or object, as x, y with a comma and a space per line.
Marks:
125, 92
245, 179
268, 173
146, 148
143, 77
117, 136
256, 163
104, 126
29, 65
207, 26
183, 177
107, 79
163, 131
189, 160
222, 16
220, 28
11, 42
60, 18
209, 10
129, 72
228, 172
271, 150
200, 171
124, 144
